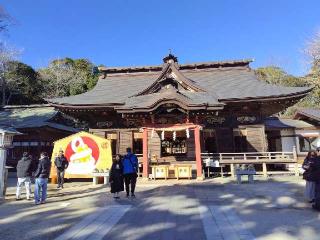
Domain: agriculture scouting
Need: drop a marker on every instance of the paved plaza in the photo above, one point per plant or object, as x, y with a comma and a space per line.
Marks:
212, 209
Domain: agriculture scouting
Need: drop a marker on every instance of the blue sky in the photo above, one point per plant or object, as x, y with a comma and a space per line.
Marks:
140, 32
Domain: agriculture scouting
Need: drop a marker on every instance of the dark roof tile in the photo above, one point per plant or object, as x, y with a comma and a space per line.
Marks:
225, 83
309, 113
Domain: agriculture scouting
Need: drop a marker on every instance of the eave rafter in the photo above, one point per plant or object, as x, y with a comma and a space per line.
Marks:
291, 97
183, 105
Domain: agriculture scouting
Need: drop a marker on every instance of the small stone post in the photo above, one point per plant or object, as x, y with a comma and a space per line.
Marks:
295, 158
264, 170
232, 171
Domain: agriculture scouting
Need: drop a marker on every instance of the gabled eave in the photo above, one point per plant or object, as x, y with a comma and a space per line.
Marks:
204, 106
181, 79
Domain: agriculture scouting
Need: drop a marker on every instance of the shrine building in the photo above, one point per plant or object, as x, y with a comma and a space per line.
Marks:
172, 113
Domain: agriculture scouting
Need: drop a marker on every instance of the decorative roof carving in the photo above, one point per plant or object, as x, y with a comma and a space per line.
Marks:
171, 72
170, 59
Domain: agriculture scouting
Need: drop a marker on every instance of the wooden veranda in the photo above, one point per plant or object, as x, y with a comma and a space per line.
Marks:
257, 158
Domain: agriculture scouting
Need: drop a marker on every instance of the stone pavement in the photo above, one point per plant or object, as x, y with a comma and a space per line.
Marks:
213, 209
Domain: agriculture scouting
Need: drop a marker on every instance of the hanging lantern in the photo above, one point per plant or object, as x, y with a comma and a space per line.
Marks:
152, 132
174, 135
162, 135
187, 133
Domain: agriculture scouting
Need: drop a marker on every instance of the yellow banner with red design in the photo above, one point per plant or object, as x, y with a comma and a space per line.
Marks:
85, 152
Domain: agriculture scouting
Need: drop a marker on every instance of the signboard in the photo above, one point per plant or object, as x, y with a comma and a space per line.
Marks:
85, 153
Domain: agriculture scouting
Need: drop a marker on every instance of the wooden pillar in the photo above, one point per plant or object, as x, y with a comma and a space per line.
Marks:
198, 153
145, 172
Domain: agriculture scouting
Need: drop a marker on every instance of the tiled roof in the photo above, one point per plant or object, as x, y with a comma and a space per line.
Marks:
30, 117
198, 65
188, 99
225, 82
311, 113
10, 130
286, 123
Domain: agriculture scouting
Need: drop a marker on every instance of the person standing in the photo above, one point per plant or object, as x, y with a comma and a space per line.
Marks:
309, 192
34, 167
61, 164
116, 177
315, 176
24, 173
42, 174
130, 168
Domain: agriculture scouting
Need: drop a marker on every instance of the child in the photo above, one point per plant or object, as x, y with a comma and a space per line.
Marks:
116, 177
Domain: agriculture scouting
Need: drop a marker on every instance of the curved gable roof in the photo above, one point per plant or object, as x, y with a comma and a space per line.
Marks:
185, 99
230, 81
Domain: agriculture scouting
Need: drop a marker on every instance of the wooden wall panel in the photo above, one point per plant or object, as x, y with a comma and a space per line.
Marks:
125, 141
154, 144
256, 138
100, 134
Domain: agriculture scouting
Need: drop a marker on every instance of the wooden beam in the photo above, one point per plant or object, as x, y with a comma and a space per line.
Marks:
198, 153
145, 173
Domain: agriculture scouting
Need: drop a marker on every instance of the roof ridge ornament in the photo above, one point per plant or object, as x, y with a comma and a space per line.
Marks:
170, 58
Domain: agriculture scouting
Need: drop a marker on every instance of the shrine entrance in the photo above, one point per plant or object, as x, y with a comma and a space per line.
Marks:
174, 139
174, 144
174, 147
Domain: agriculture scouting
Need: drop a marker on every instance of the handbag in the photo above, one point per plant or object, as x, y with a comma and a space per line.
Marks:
307, 175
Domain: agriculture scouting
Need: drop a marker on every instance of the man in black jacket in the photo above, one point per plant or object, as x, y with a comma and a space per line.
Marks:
24, 172
42, 174
61, 164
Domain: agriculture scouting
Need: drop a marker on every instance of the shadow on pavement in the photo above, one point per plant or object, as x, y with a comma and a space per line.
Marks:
273, 208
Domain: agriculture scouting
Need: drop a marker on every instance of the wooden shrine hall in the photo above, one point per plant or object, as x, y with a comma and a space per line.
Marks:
171, 113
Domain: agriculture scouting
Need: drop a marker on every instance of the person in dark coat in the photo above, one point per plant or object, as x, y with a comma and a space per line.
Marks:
42, 174
315, 176
116, 176
309, 192
24, 173
34, 167
61, 164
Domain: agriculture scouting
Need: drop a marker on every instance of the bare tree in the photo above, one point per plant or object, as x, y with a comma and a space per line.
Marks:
312, 51
313, 48
7, 54
5, 19
62, 79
